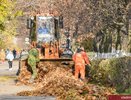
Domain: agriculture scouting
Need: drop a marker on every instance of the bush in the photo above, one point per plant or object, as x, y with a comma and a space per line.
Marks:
114, 72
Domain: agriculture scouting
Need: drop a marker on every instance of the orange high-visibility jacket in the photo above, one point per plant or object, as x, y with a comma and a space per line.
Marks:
81, 58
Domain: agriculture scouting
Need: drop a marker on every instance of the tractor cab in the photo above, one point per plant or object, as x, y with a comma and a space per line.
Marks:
45, 31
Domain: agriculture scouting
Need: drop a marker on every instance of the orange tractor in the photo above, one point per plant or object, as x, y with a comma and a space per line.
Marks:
45, 30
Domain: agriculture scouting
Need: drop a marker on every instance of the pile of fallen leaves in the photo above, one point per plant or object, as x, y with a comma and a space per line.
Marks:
57, 80
42, 69
24, 75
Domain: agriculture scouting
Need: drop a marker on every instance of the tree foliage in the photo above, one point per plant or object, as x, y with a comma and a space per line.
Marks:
4, 12
85, 16
8, 22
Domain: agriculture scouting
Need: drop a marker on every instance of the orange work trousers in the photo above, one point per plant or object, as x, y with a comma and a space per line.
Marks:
80, 69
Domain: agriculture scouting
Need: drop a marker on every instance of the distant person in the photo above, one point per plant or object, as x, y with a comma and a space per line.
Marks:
43, 29
23, 57
2, 56
81, 59
14, 53
10, 58
6, 51
68, 42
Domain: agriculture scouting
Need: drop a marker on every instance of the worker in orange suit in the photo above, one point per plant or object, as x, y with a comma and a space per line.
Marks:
81, 59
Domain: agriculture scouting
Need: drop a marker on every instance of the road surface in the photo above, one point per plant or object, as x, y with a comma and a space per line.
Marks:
8, 87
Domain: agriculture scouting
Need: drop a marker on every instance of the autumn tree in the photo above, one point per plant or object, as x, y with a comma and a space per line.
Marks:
82, 17
8, 23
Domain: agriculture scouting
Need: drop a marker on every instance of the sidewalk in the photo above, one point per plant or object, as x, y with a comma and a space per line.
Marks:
8, 87
4, 68
7, 79
27, 98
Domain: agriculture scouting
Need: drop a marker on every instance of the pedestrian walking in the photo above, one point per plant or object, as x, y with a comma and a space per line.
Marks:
14, 53
10, 58
6, 51
80, 59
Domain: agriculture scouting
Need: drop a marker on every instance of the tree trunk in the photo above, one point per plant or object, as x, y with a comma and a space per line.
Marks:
129, 28
118, 40
129, 36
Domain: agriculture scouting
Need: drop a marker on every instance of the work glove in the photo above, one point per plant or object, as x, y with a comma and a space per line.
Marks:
89, 64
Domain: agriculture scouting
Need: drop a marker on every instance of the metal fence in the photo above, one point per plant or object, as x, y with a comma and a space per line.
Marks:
113, 54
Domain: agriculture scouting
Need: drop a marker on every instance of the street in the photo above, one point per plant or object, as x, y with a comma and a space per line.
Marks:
8, 87
7, 80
